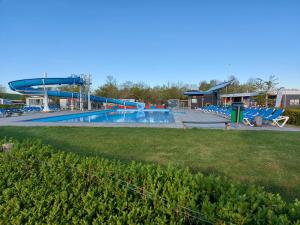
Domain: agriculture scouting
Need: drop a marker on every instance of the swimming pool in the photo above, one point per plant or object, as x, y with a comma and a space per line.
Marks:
159, 116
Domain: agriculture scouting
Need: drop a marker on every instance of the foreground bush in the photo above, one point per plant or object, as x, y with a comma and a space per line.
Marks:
294, 115
39, 185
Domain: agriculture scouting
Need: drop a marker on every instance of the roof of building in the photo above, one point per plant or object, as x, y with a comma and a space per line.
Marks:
291, 92
209, 91
240, 94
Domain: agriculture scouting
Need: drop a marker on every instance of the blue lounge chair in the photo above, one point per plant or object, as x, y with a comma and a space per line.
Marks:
277, 118
262, 112
2, 112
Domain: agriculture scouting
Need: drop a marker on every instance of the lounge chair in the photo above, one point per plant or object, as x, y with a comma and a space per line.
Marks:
262, 112
277, 119
2, 113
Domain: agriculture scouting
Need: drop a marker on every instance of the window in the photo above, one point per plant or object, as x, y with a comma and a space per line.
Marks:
33, 101
194, 100
294, 102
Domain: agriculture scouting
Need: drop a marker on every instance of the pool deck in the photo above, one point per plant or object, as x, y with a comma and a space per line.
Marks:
195, 119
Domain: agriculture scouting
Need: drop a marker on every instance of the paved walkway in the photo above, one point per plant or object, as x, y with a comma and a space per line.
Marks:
192, 119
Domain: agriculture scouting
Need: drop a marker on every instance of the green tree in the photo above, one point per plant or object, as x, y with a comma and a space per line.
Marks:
204, 85
69, 88
125, 90
140, 92
266, 86
109, 89
235, 86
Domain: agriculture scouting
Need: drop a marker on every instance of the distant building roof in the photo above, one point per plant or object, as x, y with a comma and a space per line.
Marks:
291, 92
196, 93
209, 91
250, 94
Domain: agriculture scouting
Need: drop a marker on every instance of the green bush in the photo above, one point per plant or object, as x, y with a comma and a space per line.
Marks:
12, 96
294, 115
10, 106
39, 185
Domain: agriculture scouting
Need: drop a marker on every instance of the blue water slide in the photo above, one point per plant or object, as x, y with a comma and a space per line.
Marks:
31, 87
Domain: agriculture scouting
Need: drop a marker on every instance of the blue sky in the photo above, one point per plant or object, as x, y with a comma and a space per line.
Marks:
151, 41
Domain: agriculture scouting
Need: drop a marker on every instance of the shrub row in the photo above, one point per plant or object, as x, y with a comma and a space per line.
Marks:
40, 185
294, 115
12, 96
10, 106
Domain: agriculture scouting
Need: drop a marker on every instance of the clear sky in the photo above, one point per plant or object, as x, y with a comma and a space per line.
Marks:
151, 41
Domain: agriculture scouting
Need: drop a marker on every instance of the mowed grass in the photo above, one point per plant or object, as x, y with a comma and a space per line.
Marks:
270, 159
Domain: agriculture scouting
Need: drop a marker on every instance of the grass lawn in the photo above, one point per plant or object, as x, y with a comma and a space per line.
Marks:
271, 159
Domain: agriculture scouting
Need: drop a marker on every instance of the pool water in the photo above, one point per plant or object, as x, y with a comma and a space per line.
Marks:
158, 116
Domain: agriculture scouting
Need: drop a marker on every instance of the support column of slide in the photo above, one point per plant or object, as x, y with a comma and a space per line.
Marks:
89, 101
80, 98
72, 103
89, 92
46, 106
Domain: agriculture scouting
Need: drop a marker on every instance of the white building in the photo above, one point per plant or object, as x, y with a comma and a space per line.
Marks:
35, 101
286, 98
2, 89
4, 101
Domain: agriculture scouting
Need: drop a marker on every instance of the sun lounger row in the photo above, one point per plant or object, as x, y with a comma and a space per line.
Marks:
38, 109
4, 112
275, 116
32, 109
220, 110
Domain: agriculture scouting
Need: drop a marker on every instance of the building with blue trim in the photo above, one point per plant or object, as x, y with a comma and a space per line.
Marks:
198, 98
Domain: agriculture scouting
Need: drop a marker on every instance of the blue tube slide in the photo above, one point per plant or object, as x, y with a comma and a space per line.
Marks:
27, 86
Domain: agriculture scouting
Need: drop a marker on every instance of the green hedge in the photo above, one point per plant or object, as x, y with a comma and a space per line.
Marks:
39, 185
294, 115
12, 96
10, 106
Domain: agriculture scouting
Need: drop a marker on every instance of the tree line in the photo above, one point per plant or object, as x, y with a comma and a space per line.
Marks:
159, 94
140, 91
